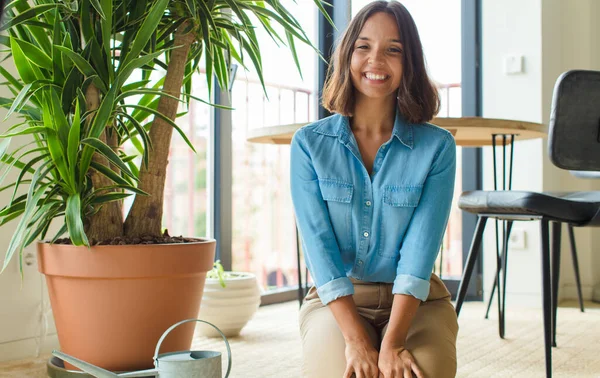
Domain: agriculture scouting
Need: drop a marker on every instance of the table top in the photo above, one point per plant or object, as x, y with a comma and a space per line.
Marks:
467, 131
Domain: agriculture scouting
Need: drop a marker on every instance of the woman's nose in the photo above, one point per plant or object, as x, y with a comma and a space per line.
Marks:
375, 58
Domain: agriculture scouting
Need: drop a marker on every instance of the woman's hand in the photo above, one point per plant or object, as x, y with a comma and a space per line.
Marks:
397, 362
361, 360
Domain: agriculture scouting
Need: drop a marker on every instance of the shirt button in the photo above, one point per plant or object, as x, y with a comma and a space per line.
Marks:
366, 234
360, 262
368, 203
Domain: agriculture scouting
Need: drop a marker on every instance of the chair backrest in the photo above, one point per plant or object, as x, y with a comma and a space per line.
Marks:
574, 129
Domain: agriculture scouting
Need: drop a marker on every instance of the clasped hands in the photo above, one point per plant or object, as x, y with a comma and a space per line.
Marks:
392, 361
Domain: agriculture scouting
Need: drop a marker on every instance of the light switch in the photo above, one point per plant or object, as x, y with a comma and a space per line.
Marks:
513, 64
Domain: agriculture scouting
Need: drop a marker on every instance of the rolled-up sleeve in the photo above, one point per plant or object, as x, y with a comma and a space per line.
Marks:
423, 237
321, 250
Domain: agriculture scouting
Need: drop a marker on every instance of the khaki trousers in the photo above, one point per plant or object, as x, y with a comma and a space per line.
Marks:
431, 338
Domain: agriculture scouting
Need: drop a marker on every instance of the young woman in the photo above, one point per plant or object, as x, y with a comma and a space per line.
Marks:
372, 187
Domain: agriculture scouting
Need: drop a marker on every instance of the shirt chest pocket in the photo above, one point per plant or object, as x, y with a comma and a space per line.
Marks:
337, 194
399, 203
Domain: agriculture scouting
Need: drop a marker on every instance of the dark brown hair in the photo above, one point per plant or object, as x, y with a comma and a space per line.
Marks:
418, 99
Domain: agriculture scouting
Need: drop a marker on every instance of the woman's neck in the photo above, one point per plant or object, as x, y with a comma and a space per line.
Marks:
374, 116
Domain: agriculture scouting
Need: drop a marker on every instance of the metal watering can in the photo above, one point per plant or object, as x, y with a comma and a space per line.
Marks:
188, 364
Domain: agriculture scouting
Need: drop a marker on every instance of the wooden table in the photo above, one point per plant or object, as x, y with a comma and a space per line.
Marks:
467, 131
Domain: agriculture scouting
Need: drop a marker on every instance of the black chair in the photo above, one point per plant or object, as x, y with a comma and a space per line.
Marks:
573, 144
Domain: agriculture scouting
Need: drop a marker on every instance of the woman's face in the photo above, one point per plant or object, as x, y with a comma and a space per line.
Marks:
376, 64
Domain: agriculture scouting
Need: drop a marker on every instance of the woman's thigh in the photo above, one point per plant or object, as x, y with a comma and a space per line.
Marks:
431, 338
323, 346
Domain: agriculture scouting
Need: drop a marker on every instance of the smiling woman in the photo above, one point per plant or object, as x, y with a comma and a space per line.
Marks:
372, 187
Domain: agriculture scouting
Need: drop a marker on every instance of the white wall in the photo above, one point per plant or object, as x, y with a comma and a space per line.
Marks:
553, 36
21, 318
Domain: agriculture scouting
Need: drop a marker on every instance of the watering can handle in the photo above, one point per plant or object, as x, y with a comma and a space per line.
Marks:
162, 338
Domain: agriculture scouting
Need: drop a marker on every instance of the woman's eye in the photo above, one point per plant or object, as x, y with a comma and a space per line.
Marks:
362, 47
395, 50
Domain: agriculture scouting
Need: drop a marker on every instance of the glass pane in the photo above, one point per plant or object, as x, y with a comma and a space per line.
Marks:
440, 34
264, 231
186, 202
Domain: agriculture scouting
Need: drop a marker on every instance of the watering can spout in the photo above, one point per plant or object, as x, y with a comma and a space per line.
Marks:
97, 371
185, 364
94, 370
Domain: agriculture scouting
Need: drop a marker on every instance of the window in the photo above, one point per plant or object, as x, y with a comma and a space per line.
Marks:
264, 234
186, 203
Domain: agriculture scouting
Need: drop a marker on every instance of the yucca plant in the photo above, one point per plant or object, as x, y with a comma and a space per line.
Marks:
89, 82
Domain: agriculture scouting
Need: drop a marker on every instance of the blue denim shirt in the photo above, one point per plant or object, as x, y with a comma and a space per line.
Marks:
383, 227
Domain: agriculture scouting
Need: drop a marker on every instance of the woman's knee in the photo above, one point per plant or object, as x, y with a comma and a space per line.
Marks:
440, 366
323, 346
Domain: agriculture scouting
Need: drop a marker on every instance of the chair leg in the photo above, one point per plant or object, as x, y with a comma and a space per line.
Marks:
555, 251
473, 252
576, 266
491, 298
502, 293
546, 295
493, 291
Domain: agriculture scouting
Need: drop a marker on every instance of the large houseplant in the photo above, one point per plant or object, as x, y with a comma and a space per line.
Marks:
80, 101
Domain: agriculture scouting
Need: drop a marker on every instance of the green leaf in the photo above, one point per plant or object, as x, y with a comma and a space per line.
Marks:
130, 188
98, 8
107, 152
80, 62
319, 4
46, 213
125, 72
25, 131
4, 146
61, 125
33, 197
144, 135
60, 233
166, 119
18, 100
29, 14
154, 92
292, 46
146, 30
11, 79
134, 85
22, 172
22, 63
191, 4
56, 148
101, 120
34, 54
110, 174
73, 145
110, 197
16, 207
73, 219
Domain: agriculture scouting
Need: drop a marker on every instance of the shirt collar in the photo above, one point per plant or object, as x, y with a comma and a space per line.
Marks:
340, 128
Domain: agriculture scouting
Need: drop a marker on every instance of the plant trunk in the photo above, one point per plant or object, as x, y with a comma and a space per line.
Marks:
107, 223
145, 216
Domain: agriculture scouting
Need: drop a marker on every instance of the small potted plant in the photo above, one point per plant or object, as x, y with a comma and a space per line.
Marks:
230, 300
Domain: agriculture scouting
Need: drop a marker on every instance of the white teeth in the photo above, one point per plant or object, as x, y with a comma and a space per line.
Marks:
372, 76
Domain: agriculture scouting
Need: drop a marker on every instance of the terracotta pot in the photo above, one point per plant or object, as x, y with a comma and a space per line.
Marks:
111, 304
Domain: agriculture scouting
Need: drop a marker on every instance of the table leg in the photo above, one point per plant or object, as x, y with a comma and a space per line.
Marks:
502, 254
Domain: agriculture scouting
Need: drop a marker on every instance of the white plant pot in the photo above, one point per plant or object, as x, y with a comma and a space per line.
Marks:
229, 307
